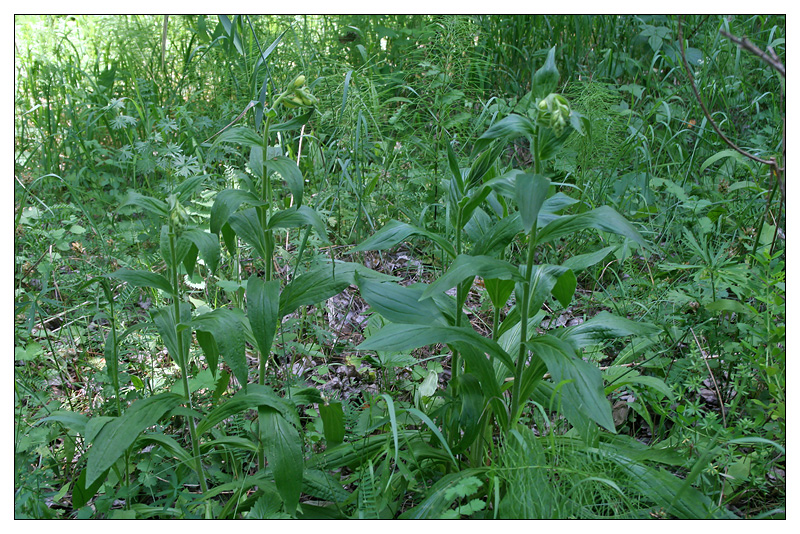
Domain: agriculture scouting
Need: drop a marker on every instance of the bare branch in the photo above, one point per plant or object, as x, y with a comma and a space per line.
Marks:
745, 43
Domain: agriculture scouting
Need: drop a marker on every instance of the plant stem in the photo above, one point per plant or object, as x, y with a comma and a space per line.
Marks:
184, 364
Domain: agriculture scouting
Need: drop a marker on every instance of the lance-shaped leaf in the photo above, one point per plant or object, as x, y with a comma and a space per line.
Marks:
167, 327
226, 203
498, 237
143, 279
332, 415
298, 218
507, 128
247, 226
469, 204
602, 326
465, 267
116, 436
312, 287
240, 135
401, 337
292, 124
395, 232
228, 339
206, 244
531, 192
151, 205
283, 448
256, 395
262, 310
399, 304
290, 173
455, 170
189, 187
582, 395
603, 218
482, 165
584, 261
551, 279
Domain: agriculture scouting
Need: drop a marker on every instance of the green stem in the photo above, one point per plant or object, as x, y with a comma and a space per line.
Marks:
454, 362
184, 364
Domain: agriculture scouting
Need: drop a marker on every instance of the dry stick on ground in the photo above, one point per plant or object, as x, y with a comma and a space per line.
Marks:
777, 170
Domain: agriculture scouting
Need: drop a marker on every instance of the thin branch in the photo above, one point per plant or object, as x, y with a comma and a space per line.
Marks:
745, 43
771, 162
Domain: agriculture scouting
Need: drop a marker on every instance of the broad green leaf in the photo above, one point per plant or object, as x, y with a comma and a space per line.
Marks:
583, 395
469, 204
531, 192
263, 299
256, 395
116, 436
226, 203
72, 420
226, 327
207, 245
395, 232
499, 291
604, 326
291, 174
466, 267
603, 218
143, 279
545, 79
482, 164
403, 337
81, 493
189, 187
240, 135
544, 280
332, 415
167, 326
583, 261
323, 486
284, 451
292, 124
314, 286
399, 304
248, 227
153, 206
507, 128
182, 247
498, 237
618, 376
565, 288
298, 218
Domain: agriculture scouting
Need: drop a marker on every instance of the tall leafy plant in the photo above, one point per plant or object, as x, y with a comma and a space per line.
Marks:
498, 387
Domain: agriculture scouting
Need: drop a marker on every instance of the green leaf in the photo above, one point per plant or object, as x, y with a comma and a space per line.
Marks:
290, 173
584, 261
143, 279
116, 436
395, 232
437, 499
151, 205
531, 192
507, 128
399, 304
729, 153
455, 170
263, 299
226, 327
72, 420
482, 165
583, 395
312, 287
247, 226
332, 415
167, 326
240, 135
604, 326
284, 451
226, 203
298, 218
545, 79
208, 246
466, 267
603, 218
565, 288
403, 337
499, 291
256, 395
292, 124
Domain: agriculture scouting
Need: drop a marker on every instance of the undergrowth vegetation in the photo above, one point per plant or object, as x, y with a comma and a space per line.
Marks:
399, 267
